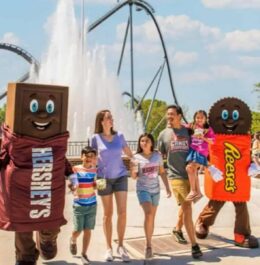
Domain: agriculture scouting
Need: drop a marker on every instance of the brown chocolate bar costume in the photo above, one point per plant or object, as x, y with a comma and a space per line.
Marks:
33, 168
230, 119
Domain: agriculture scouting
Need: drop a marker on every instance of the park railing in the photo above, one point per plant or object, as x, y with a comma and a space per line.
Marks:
74, 148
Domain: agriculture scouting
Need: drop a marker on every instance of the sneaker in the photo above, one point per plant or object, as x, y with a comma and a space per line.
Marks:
196, 252
178, 236
148, 253
73, 247
84, 259
246, 241
109, 255
122, 252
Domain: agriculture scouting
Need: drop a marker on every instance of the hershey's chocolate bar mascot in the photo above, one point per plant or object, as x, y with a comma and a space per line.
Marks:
33, 166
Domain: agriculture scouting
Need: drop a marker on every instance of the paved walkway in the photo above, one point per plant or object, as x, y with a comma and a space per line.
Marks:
219, 249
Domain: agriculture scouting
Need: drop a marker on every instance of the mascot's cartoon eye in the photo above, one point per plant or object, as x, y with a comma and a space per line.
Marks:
224, 114
235, 115
50, 106
34, 105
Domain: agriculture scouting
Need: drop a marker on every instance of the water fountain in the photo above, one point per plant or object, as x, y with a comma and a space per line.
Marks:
68, 61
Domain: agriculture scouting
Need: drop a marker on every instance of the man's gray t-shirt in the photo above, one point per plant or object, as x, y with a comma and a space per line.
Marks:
175, 144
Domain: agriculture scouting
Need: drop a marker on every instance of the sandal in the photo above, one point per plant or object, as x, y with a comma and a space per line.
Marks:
73, 248
191, 196
197, 197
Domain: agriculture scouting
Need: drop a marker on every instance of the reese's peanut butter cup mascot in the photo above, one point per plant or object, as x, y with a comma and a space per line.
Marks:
33, 166
230, 119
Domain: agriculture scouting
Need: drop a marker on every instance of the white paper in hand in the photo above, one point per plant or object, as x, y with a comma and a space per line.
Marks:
216, 174
253, 170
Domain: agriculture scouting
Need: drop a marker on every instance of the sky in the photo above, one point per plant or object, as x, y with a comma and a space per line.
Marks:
213, 46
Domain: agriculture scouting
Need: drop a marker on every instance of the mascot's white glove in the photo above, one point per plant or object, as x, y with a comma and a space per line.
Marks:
216, 174
253, 170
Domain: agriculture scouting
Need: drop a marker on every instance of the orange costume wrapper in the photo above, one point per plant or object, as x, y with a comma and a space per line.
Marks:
230, 154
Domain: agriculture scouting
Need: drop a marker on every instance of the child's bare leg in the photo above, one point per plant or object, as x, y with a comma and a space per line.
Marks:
73, 242
75, 235
86, 240
197, 181
192, 174
256, 160
201, 169
179, 223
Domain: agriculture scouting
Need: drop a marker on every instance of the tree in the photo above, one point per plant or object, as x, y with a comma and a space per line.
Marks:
156, 122
2, 114
255, 127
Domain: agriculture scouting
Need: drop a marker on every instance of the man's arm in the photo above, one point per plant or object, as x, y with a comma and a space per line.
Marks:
161, 146
162, 149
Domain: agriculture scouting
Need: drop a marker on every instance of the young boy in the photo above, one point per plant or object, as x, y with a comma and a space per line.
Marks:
82, 184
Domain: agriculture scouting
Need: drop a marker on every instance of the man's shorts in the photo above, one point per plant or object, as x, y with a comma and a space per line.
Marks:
180, 189
84, 217
145, 196
114, 185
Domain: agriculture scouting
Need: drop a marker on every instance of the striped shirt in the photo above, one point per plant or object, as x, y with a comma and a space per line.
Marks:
85, 194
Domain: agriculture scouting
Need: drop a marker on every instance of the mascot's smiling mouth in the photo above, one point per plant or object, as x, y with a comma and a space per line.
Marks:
41, 125
230, 127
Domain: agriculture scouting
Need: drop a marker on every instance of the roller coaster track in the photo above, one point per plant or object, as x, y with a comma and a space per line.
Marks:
23, 53
141, 4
